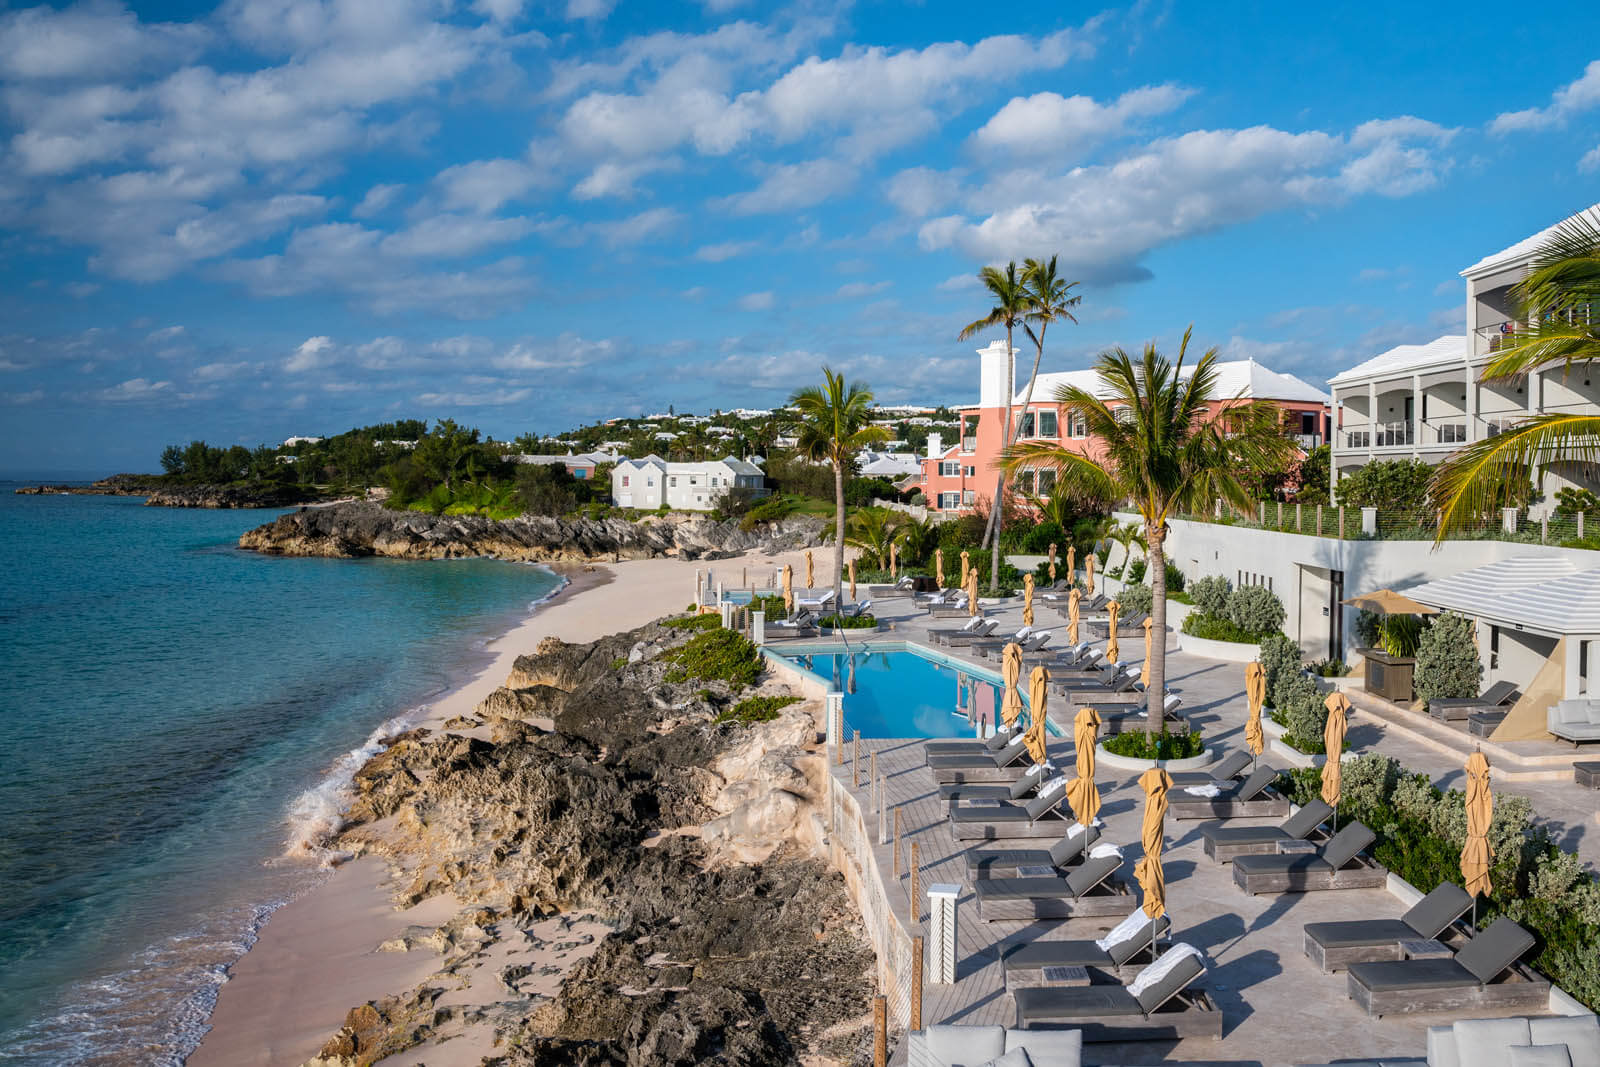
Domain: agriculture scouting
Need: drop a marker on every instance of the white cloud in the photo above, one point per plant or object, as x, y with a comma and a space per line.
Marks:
134, 390
32, 396
166, 333
89, 40
1590, 161
494, 398
483, 186
310, 354
762, 301
500, 10
637, 229
790, 186
725, 250
856, 290
922, 191
1571, 99
453, 236
377, 198
589, 9
1050, 124
960, 283
222, 371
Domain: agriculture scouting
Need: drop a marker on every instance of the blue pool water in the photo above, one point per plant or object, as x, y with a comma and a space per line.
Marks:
903, 694
179, 715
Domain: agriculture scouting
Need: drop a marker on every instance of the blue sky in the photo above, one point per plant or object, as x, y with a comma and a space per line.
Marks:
272, 217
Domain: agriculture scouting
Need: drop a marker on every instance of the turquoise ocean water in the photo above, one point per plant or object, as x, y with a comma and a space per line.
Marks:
179, 717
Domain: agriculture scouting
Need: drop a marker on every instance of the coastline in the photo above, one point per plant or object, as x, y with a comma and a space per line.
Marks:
317, 957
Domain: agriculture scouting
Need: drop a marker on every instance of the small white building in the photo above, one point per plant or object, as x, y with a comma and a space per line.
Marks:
891, 465
292, 441
650, 482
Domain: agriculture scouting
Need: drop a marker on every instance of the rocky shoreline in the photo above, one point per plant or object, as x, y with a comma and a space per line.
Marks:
590, 789
159, 492
362, 528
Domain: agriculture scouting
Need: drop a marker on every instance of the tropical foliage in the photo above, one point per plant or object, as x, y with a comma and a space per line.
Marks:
1447, 660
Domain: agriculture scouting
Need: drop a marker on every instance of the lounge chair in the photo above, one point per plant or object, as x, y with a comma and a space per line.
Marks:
975, 627
1025, 963
1157, 1005
1501, 694
822, 603
1227, 843
955, 793
900, 588
1226, 769
1132, 626
997, 862
1031, 642
970, 1045
998, 820
801, 624
979, 647
1109, 679
1336, 865
856, 609
1087, 890
1336, 945
1006, 765
1491, 1040
1125, 710
1483, 974
1076, 658
952, 609
993, 743
1574, 720
1036, 652
1251, 798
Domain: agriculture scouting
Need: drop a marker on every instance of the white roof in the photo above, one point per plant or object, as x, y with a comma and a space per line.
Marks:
1525, 248
1552, 594
1238, 377
1448, 351
889, 463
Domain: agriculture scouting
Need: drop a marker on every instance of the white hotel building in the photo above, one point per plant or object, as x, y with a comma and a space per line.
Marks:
1425, 401
651, 482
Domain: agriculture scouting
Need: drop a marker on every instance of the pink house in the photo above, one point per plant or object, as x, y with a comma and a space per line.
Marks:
957, 476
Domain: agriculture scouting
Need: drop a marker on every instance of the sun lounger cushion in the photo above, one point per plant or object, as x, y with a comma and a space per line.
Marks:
1075, 885
1163, 979
1301, 824
1048, 1048
1252, 787
1225, 769
1428, 917
1486, 1042
1400, 975
1434, 913
1495, 949
1071, 846
1347, 844
1072, 1003
1540, 1056
971, 1046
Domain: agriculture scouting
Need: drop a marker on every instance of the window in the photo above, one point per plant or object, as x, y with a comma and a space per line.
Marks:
650, 482
1047, 424
673, 482
1077, 426
1038, 424
970, 472
624, 481
581, 472
966, 496
1025, 482
1047, 482
713, 481
949, 500
950, 470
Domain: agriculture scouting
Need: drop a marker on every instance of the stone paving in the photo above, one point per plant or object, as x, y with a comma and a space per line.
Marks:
1277, 1007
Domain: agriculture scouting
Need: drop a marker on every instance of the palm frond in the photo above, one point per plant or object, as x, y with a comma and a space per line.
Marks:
1489, 474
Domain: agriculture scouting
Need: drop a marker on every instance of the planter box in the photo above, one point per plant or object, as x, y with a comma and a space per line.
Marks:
1271, 730
1128, 763
1230, 651
835, 631
1293, 756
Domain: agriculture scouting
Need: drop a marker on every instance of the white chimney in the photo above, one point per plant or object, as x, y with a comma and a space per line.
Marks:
995, 385
935, 445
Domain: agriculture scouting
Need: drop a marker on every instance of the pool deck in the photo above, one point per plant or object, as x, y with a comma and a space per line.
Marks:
1277, 1007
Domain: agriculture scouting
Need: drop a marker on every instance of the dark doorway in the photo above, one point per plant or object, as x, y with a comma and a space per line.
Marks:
1336, 615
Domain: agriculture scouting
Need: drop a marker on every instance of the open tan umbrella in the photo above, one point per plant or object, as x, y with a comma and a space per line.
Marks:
1149, 644
972, 591
1113, 650
1155, 782
1476, 856
1073, 614
1052, 563
1255, 692
788, 588
1088, 573
1388, 602
1038, 684
1011, 673
1072, 563
1027, 600
1082, 793
1333, 739
938, 567
966, 565
811, 571
852, 579
894, 559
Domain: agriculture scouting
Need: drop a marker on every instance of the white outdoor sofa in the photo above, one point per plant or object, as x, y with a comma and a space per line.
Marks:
974, 1046
1518, 1041
1575, 720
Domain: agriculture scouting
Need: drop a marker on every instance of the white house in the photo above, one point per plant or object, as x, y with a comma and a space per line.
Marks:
891, 465
1425, 401
650, 482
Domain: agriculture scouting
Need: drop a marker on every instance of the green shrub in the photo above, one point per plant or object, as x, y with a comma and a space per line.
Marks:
777, 506
1280, 658
1135, 600
1400, 634
1255, 609
755, 709
849, 622
1400, 485
1175, 578
1447, 660
1136, 744
716, 655
1135, 570
1368, 627
619, 663
1211, 628
693, 622
1211, 595
1040, 537
1302, 712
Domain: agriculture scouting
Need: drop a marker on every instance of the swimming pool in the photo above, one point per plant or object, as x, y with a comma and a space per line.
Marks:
902, 693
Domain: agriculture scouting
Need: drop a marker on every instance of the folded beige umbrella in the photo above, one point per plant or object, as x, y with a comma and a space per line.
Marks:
1027, 600
1038, 684
1149, 644
1011, 674
1255, 691
1082, 793
938, 566
966, 565
1152, 879
788, 588
1333, 741
1113, 650
1072, 563
894, 559
972, 591
1476, 856
1073, 615
1052, 563
852, 579
1088, 573
811, 571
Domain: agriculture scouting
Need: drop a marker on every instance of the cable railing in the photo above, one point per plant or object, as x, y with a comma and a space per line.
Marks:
1569, 529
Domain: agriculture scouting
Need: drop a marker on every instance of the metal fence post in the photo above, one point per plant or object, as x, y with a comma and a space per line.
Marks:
1262, 512
1580, 525
1280, 514
883, 813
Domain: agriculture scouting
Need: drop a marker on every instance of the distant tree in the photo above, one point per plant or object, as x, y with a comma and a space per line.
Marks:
546, 489
1398, 485
1312, 476
447, 452
172, 459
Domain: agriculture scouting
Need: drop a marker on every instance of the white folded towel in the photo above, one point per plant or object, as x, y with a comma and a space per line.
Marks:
1057, 783
1162, 967
1075, 829
1209, 790
1123, 931
1104, 849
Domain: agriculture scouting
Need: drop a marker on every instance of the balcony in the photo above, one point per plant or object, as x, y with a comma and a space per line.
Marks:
1383, 435
1305, 442
969, 444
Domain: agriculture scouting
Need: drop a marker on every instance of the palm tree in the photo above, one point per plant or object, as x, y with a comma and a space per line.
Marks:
1129, 536
1559, 301
1011, 303
918, 537
873, 531
835, 424
1050, 298
1158, 449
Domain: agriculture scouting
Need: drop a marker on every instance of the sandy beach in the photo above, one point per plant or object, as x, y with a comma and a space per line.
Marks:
319, 956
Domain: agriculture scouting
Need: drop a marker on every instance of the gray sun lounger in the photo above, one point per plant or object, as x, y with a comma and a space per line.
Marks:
978, 629
1226, 769
1227, 843
1001, 862
997, 820
1484, 974
1499, 695
993, 743
1006, 765
1125, 713
901, 588
1025, 963
1337, 865
1088, 889
956, 793
1251, 798
1336, 945
1167, 1010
